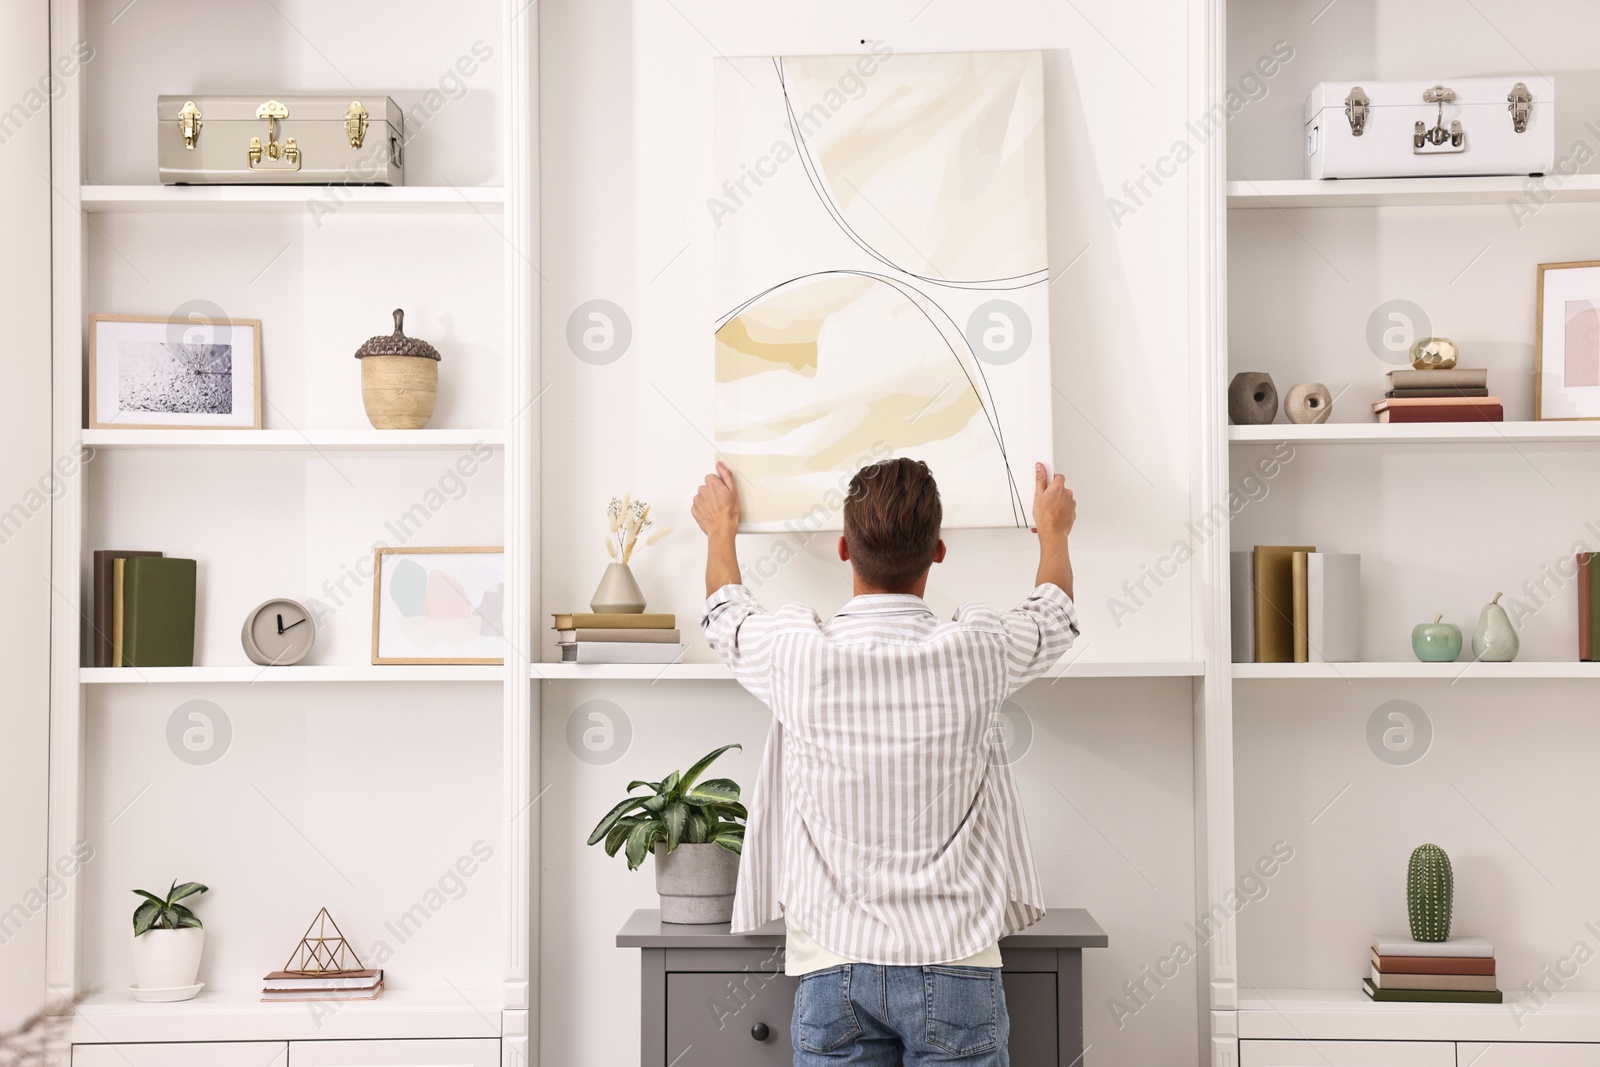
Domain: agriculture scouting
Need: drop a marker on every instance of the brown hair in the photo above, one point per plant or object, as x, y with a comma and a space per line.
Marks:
891, 522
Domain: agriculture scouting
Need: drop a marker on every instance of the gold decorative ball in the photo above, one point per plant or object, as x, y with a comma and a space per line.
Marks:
1434, 353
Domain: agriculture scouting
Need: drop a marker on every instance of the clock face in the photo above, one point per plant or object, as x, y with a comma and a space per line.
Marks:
278, 633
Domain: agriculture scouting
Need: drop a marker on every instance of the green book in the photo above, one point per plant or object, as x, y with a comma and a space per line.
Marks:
1437, 996
158, 612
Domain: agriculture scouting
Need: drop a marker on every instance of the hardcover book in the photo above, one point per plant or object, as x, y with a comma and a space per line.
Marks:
614, 621
1588, 606
1434, 964
1407, 980
1462, 391
1471, 377
1333, 607
158, 611
1440, 996
1274, 601
567, 637
1393, 945
1297, 579
620, 652
104, 600
1458, 412
1243, 594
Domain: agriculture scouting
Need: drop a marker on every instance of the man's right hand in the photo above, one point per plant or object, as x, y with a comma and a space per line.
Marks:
1054, 509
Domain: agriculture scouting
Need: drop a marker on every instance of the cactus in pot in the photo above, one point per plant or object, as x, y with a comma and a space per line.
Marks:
1430, 892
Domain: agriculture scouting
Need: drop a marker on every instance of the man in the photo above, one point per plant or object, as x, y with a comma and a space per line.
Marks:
886, 827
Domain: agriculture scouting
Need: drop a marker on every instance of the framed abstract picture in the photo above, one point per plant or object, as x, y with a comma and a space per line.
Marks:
881, 279
438, 605
1567, 349
174, 374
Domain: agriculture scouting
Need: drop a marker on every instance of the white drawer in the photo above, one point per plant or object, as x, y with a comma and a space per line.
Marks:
1528, 1054
187, 1054
1348, 1054
465, 1052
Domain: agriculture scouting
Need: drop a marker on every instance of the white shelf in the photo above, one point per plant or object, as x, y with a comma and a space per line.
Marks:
716, 672
250, 674
105, 1018
1464, 670
293, 440
1407, 192
1339, 1014
1359, 433
367, 199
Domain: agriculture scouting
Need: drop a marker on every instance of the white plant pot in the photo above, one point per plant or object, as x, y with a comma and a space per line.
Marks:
167, 959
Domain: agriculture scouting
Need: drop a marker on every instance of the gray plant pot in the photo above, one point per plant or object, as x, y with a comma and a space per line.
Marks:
696, 883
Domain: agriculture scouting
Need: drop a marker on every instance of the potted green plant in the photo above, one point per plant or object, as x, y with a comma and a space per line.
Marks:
696, 831
167, 939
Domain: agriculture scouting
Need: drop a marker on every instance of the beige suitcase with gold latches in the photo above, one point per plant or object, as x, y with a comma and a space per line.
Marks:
284, 140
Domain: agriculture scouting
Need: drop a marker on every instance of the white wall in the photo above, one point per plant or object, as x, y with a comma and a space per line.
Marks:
625, 129
24, 459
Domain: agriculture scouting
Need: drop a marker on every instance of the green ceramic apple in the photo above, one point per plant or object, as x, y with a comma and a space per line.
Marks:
1495, 640
1436, 641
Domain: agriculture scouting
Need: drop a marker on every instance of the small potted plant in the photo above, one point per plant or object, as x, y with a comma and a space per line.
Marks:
167, 939
695, 829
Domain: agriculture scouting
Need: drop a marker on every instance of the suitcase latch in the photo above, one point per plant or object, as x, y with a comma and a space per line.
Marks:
1422, 136
189, 124
355, 123
288, 151
1355, 109
1520, 103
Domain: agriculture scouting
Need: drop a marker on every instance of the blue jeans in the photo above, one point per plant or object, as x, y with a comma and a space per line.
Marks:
870, 1015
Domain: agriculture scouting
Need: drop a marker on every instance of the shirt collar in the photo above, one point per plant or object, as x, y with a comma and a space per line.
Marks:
884, 604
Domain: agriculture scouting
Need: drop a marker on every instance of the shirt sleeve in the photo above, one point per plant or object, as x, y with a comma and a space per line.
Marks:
741, 631
1038, 632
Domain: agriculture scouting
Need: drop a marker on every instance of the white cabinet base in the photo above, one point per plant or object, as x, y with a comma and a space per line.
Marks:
1528, 1054
186, 1054
453, 1053
1347, 1054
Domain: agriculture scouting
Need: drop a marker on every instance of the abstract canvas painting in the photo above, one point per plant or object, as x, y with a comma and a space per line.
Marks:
1567, 342
438, 605
881, 279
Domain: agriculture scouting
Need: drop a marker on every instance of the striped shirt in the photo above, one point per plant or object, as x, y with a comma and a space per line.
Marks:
885, 815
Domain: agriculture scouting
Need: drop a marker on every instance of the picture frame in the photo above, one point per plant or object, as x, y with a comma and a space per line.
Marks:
158, 373
438, 605
1566, 385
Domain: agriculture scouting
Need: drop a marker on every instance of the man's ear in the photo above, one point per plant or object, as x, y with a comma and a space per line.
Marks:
938, 551
844, 549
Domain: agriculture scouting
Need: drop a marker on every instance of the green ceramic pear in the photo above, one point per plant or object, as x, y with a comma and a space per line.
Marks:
1495, 640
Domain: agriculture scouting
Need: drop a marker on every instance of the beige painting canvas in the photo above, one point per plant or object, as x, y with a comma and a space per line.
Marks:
881, 279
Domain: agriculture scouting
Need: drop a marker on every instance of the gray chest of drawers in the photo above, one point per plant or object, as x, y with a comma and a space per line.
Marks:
710, 998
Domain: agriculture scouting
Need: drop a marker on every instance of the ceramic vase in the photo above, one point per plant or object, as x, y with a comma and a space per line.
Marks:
167, 959
1308, 404
1252, 399
618, 592
696, 883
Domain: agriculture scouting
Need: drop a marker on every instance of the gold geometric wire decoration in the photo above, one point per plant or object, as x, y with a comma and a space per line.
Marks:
323, 954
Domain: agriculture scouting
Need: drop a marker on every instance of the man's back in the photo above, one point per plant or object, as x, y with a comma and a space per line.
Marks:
886, 803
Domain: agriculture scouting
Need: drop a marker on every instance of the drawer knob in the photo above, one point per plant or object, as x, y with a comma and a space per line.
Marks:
760, 1032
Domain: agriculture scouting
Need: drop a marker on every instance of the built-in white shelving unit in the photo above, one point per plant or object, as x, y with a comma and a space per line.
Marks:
1463, 671
1374, 433
254, 675
704, 672
1412, 192
301, 199
294, 440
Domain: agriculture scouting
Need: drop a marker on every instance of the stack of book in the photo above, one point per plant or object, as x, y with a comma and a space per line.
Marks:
143, 610
1459, 394
1588, 607
1459, 970
618, 638
1293, 604
328, 985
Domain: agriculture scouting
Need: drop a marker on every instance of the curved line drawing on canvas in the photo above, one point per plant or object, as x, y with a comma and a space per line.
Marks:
824, 196
965, 360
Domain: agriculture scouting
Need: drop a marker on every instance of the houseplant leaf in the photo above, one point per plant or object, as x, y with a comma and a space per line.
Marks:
187, 889
145, 915
673, 817
640, 840
693, 773
713, 791
612, 816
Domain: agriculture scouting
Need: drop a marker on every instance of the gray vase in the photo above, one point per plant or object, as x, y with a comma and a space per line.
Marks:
1252, 399
618, 592
696, 883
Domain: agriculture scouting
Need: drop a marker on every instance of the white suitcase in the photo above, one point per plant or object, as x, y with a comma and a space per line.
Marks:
1395, 129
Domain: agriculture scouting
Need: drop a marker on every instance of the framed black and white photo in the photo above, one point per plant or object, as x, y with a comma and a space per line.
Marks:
174, 374
1567, 350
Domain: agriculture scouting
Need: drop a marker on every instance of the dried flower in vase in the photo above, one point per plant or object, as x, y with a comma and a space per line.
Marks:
627, 521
